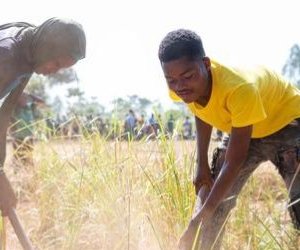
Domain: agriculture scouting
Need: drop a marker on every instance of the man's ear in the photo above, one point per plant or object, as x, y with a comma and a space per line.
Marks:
206, 61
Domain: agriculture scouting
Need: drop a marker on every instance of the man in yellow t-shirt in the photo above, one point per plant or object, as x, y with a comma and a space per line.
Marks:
258, 109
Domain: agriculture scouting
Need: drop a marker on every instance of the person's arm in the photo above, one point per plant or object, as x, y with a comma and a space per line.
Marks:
203, 175
236, 155
7, 196
202, 181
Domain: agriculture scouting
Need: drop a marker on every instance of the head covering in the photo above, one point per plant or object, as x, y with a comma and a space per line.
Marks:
15, 55
16, 38
56, 38
21, 25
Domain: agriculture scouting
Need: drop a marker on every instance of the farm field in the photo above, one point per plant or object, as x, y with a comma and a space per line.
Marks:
90, 193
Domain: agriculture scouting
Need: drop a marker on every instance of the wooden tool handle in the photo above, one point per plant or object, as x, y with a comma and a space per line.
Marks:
15, 222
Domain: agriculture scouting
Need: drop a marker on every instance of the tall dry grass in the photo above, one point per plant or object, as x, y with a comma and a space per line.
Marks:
91, 193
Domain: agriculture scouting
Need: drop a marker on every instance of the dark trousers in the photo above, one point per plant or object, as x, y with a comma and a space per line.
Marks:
282, 149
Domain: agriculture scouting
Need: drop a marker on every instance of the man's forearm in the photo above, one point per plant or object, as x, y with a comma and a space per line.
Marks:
5, 115
221, 188
236, 155
203, 139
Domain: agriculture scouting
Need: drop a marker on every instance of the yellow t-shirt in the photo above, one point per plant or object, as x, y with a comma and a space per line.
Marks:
241, 98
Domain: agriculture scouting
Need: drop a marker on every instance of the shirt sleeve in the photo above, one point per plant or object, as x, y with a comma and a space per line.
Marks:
246, 106
6, 57
6, 68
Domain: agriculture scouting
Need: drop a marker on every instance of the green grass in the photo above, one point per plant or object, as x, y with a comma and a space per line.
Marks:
91, 193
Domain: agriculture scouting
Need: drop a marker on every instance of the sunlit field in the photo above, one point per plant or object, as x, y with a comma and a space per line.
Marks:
93, 193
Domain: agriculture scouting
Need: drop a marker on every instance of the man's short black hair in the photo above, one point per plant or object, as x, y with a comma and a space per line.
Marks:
181, 43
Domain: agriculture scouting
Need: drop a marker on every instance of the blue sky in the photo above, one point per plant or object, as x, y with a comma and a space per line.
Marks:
123, 36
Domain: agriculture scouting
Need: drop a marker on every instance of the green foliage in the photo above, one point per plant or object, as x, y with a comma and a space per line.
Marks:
57, 105
41, 86
75, 92
291, 68
37, 86
139, 103
85, 107
62, 77
134, 102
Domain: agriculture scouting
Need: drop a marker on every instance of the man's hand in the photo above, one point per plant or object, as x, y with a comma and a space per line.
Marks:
203, 178
7, 196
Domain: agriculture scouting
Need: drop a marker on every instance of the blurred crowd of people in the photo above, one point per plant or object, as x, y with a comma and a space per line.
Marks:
137, 127
24, 129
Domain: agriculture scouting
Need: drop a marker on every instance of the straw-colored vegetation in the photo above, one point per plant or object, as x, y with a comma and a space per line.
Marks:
91, 193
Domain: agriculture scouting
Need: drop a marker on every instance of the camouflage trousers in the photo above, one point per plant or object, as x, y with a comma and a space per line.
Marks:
283, 150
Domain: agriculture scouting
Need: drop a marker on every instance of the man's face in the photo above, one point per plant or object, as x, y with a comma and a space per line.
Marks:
188, 79
54, 65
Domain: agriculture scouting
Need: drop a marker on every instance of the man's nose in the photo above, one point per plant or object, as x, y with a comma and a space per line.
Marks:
180, 84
